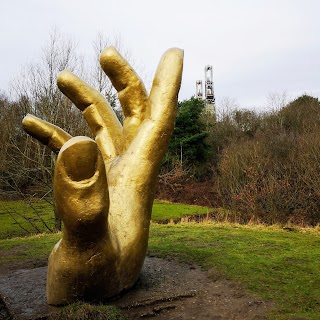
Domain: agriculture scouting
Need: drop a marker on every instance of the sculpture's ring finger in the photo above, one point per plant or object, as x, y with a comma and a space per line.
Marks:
131, 90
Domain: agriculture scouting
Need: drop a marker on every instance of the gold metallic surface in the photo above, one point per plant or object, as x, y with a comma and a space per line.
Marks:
104, 189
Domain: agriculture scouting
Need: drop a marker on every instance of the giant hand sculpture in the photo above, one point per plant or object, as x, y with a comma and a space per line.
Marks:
104, 189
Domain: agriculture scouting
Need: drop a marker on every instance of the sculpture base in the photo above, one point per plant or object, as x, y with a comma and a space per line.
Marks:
166, 288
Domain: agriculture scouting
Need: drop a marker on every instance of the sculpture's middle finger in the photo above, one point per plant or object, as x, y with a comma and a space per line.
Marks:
97, 112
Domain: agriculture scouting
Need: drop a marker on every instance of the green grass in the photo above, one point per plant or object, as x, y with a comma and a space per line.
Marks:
282, 266
19, 218
35, 247
275, 264
166, 211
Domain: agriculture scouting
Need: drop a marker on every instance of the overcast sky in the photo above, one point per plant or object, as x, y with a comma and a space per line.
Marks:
256, 47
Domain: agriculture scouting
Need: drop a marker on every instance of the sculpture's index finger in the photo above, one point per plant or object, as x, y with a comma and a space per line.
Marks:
45, 132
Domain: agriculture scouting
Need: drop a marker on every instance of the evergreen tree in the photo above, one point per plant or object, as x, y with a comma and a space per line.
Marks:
187, 145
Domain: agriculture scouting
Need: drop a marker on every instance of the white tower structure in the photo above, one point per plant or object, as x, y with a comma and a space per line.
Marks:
199, 93
208, 76
208, 95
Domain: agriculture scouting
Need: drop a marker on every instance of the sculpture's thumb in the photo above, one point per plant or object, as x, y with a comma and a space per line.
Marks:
80, 184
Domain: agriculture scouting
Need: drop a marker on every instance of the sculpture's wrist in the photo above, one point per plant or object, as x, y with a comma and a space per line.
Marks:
81, 241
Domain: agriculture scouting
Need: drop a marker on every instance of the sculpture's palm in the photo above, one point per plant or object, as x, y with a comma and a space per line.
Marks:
104, 189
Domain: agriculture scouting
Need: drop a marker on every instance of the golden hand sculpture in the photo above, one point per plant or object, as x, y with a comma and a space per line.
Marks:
104, 189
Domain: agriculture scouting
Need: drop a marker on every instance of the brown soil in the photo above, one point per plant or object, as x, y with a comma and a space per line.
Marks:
165, 290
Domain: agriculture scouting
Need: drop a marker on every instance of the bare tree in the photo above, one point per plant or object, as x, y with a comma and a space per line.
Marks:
277, 101
25, 165
36, 92
37, 81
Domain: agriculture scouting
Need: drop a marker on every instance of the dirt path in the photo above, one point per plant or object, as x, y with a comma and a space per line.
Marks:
166, 290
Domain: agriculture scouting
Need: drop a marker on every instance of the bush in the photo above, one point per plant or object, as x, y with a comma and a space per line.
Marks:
273, 176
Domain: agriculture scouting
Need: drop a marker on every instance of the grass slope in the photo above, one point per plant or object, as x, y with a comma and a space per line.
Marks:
278, 265
166, 211
23, 249
19, 218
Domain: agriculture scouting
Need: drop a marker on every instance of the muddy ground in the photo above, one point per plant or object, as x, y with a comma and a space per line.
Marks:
166, 290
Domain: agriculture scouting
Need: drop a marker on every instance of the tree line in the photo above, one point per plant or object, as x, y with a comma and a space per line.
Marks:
263, 166
24, 163
26, 167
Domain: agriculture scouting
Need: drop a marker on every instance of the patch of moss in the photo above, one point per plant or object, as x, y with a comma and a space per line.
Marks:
85, 311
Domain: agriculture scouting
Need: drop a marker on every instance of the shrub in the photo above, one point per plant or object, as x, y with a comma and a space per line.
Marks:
273, 176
